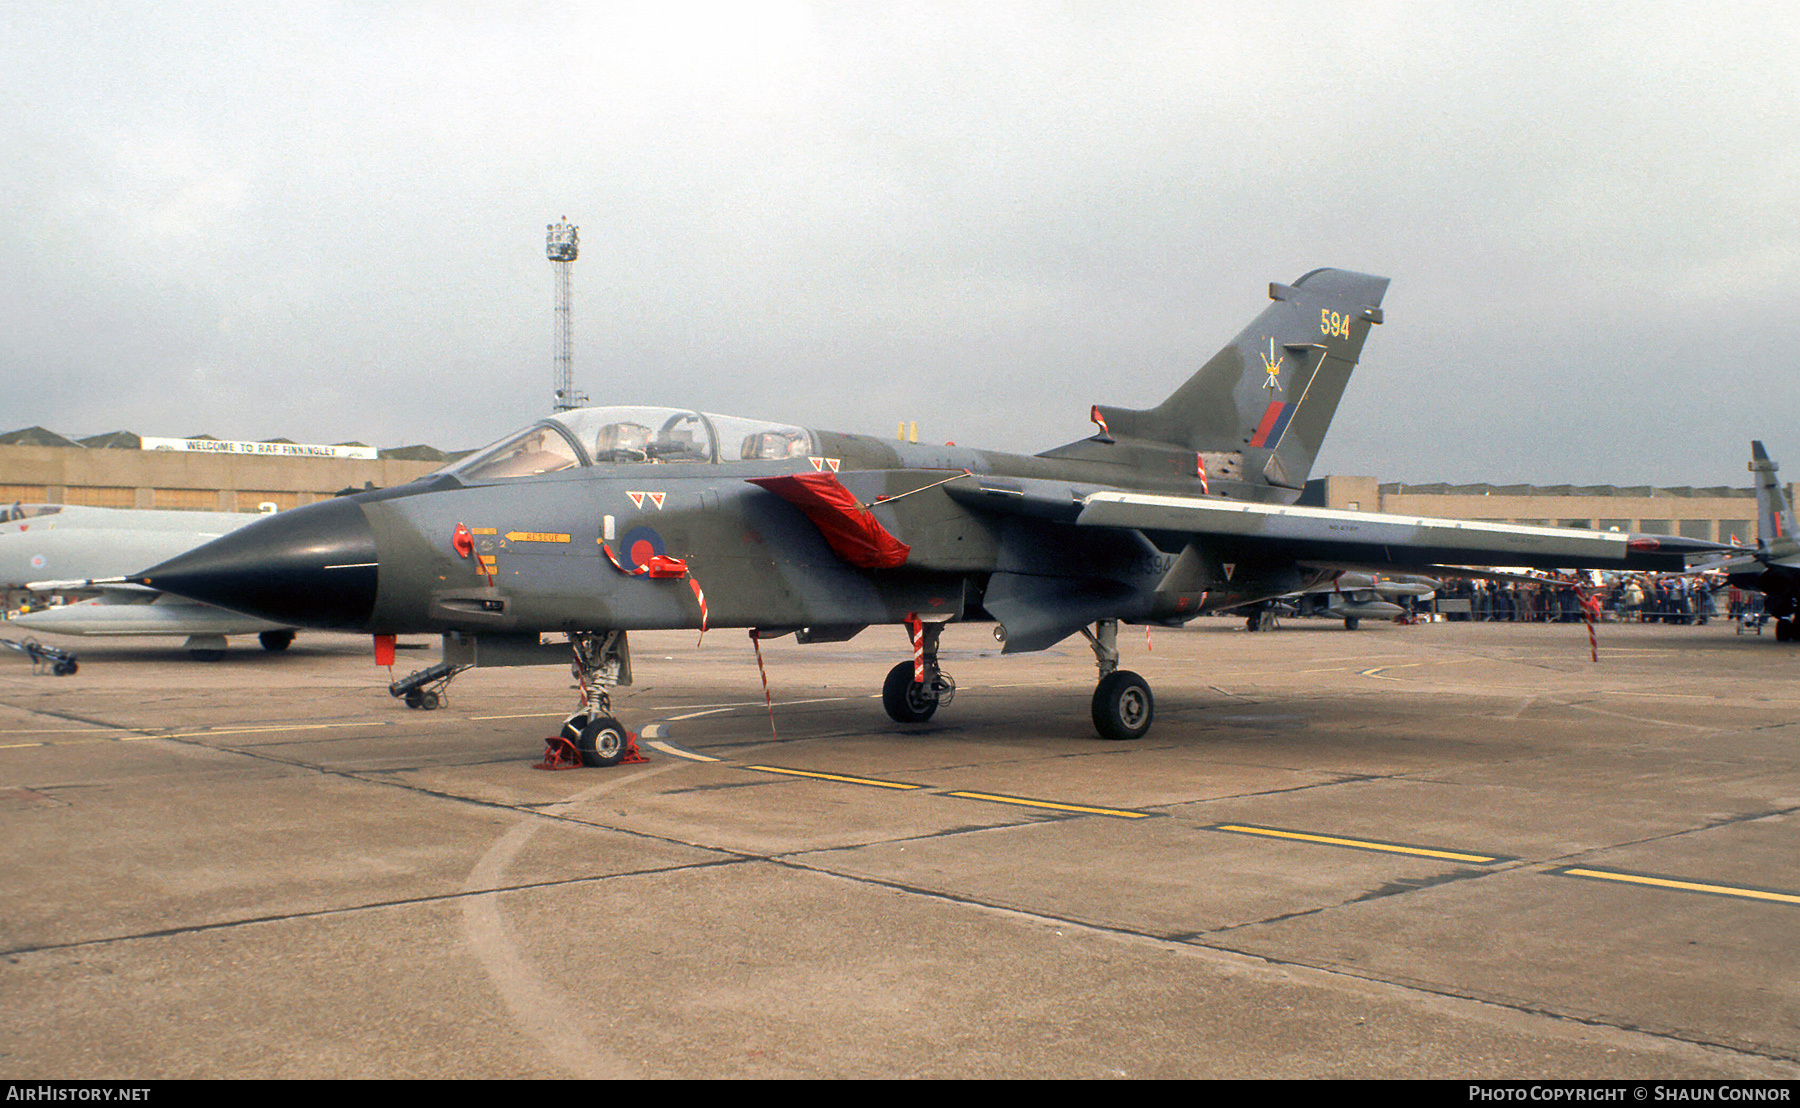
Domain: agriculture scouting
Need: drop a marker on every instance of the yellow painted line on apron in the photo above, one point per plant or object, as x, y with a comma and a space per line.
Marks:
1357, 844
845, 778
1740, 891
1085, 809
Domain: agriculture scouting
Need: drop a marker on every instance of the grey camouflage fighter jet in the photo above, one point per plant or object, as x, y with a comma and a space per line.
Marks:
1351, 597
78, 551
1774, 570
601, 521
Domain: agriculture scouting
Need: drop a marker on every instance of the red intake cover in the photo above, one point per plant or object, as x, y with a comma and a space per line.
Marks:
854, 534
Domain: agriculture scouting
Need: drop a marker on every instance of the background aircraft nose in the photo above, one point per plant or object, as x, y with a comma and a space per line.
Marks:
313, 567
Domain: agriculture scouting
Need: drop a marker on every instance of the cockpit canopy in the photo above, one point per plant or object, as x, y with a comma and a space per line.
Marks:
633, 436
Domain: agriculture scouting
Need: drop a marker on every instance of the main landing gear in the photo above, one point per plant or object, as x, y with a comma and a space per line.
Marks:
602, 661
1122, 709
915, 690
1123, 706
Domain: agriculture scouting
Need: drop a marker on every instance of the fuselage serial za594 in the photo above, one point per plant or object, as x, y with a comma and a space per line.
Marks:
601, 521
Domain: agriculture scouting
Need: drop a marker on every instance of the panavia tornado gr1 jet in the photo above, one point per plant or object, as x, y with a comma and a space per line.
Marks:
1774, 569
1351, 597
600, 521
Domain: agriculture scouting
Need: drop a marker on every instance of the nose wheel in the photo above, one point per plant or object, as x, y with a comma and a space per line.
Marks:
599, 740
602, 660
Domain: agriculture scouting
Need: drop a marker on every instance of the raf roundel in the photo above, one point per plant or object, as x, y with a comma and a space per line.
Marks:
638, 546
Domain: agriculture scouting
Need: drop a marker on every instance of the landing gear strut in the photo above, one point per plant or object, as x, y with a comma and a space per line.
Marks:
915, 690
1261, 618
602, 660
1123, 706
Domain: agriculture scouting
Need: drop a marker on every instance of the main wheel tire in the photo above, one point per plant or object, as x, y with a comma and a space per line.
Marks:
906, 700
1123, 706
276, 641
603, 742
1351, 622
1784, 630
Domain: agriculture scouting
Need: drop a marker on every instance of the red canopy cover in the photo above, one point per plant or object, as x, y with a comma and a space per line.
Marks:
852, 531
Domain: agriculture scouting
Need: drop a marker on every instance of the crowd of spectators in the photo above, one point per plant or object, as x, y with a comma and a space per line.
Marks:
1631, 598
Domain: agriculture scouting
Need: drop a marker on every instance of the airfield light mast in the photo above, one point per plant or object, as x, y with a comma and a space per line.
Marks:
562, 242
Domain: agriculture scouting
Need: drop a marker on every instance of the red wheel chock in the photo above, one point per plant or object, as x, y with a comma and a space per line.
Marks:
632, 757
559, 753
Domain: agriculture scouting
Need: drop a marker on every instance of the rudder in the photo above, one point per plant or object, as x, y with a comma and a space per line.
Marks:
1773, 521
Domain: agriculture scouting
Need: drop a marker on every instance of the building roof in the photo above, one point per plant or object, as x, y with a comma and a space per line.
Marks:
418, 452
131, 440
35, 436
114, 440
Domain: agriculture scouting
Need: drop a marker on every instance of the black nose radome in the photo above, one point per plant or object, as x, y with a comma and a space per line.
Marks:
313, 567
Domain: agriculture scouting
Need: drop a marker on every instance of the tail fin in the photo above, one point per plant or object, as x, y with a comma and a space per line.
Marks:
1773, 522
1257, 412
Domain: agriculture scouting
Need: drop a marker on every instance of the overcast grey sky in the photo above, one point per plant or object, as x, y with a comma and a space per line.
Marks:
325, 221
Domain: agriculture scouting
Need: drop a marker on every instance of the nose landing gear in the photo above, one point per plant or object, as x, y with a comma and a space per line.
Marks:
601, 661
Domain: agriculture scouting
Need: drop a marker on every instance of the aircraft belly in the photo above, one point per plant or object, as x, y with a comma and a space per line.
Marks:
164, 616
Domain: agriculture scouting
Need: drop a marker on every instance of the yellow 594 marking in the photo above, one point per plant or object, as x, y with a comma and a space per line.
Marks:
1357, 844
1332, 323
